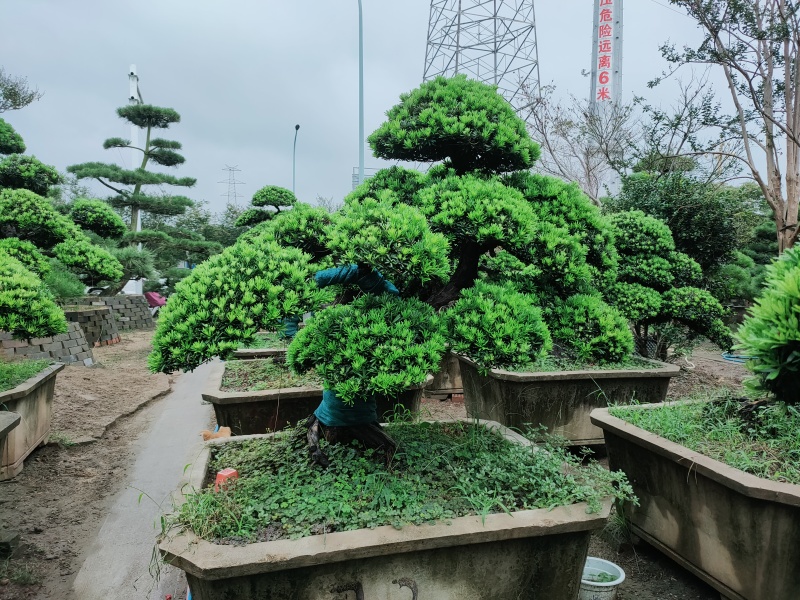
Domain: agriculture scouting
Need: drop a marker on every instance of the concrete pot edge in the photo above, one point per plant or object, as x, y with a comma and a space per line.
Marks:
667, 370
26, 386
744, 483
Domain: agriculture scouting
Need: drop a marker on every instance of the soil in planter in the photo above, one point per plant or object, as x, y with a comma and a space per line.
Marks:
256, 375
14, 372
563, 363
440, 471
765, 444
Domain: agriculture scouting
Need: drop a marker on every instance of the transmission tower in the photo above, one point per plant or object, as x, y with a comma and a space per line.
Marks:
232, 195
493, 41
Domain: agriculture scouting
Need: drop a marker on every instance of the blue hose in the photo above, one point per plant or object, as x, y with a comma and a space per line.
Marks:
737, 358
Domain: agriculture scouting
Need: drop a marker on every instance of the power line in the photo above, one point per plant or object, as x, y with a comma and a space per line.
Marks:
232, 195
669, 8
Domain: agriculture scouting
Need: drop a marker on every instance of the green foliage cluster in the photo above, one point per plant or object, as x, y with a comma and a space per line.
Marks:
270, 196
394, 239
10, 141
62, 282
29, 217
766, 444
305, 227
27, 254
19, 171
375, 346
497, 327
27, 309
251, 286
655, 289
482, 134
701, 221
98, 217
12, 373
404, 184
771, 335
593, 330
440, 471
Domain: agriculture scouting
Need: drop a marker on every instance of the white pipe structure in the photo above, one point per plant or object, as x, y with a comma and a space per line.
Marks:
360, 96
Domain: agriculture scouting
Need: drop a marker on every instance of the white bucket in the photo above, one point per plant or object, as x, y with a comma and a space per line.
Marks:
597, 590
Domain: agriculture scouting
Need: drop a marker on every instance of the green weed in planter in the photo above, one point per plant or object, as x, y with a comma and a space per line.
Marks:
440, 471
12, 373
771, 335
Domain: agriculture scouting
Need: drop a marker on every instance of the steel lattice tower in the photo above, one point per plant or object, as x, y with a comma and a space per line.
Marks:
493, 41
232, 195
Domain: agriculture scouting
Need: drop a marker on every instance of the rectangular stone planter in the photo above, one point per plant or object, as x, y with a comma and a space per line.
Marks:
447, 381
32, 400
736, 531
559, 400
276, 354
526, 555
271, 410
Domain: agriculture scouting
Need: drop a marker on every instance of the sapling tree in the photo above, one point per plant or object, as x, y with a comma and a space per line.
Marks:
402, 258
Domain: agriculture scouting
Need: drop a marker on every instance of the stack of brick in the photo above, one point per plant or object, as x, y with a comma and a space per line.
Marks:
97, 323
69, 348
131, 311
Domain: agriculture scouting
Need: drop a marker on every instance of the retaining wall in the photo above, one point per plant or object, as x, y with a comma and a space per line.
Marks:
97, 323
130, 311
69, 348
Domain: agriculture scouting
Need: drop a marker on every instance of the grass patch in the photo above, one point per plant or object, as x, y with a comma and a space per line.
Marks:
766, 445
20, 574
554, 363
12, 373
60, 438
268, 339
440, 471
256, 375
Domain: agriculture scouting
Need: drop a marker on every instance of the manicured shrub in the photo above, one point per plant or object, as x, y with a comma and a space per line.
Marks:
402, 334
27, 172
395, 239
27, 309
10, 141
497, 327
771, 334
591, 330
251, 286
460, 120
271, 196
81, 255
27, 254
403, 183
62, 282
98, 217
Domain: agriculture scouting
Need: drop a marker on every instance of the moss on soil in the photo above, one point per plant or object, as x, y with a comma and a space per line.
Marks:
257, 375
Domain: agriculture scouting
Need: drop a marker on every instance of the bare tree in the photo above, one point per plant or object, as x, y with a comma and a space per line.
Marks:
15, 93
579, 143
755, 43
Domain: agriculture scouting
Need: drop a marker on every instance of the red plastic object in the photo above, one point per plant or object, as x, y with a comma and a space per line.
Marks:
224, 477
154, 299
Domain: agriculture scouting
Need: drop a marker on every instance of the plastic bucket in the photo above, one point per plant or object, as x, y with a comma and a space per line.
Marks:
600, 590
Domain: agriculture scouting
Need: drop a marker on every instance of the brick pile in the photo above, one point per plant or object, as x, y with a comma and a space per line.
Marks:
97, 323
130, 311
69, 348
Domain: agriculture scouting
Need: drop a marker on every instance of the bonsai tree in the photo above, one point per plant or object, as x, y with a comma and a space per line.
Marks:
131, 192
656, 289
266, 203
402, 258
27, 309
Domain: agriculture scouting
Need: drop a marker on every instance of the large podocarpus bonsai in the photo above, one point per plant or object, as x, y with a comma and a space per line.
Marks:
478, 253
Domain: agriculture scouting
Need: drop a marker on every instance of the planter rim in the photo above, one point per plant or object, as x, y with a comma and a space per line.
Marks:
258, 352
747, 484
666, 370
8, 420
213, 393
207, 560
26, 386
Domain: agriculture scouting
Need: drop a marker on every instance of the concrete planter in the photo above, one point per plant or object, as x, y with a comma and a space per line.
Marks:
32, 400
530, 555
736, 531
276, 354
447, 381
559, 400
271, 410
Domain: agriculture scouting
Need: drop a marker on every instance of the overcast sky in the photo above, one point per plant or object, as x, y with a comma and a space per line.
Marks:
242, 74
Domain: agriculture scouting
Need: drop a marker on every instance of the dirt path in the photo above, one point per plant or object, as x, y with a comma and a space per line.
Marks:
59, 501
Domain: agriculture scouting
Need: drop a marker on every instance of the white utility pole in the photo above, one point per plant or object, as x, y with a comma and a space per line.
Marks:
134, 97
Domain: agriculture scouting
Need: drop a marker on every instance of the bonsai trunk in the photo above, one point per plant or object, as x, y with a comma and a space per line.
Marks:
465, 275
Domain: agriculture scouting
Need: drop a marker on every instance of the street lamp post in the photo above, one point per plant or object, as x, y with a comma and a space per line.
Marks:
360, 96
294, 153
